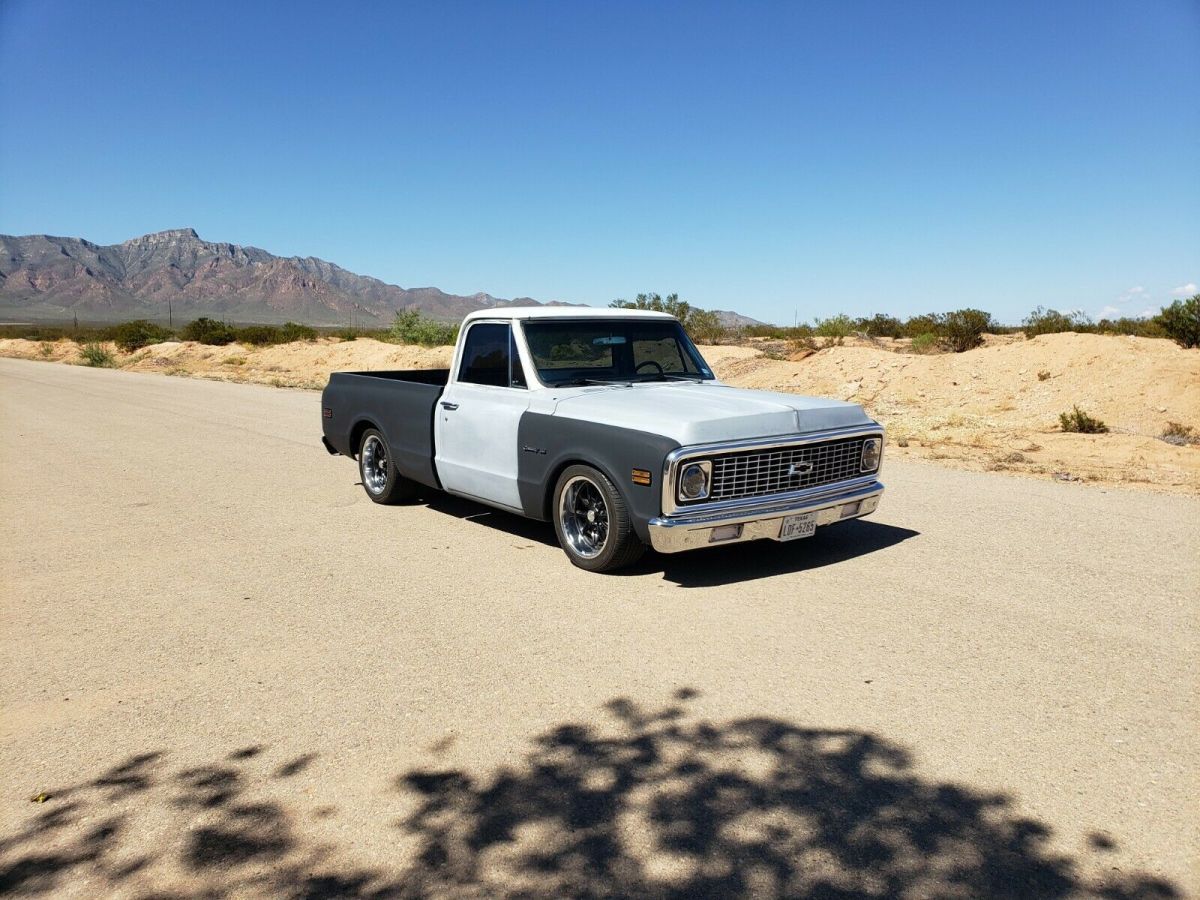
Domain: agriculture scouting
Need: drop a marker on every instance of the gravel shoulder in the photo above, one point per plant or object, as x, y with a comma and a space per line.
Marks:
231, 674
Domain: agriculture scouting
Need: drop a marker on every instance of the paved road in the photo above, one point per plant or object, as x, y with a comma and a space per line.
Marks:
232, 673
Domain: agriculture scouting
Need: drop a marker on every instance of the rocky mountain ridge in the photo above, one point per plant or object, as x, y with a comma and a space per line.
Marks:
177, 273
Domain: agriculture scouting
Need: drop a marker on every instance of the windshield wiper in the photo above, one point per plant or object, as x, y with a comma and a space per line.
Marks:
671, 376
585, 382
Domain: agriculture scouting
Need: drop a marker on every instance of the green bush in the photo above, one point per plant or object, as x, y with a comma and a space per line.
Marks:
1136, 327
293, 331
346, 334
411, 327
705, 328
208, 331
135, 335
1080, 422
1051, 321
258, 335
919, 325
963, 329
777, 332
96, 355
1181, 321
835, 329
925, 343
880, 325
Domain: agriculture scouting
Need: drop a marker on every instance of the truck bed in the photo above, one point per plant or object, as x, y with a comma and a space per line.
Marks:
401, 404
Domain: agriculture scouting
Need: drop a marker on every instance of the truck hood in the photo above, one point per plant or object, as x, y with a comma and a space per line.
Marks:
706, 412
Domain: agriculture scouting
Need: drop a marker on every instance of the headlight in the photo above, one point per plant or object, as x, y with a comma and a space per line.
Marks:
872, 448
693, 481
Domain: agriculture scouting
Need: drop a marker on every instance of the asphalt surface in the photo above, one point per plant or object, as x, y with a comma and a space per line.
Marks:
232, 674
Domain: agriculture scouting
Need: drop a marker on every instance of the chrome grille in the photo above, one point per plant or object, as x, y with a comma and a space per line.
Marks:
759, 473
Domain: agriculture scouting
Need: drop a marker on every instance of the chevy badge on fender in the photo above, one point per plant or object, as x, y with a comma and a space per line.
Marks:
608, 423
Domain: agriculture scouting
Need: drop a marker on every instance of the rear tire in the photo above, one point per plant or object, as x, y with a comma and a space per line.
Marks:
592, 521
380, 478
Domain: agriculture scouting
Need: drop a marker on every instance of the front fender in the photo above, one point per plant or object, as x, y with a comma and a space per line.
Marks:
547, 444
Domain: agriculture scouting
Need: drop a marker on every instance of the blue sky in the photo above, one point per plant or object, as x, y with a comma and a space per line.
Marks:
773, 158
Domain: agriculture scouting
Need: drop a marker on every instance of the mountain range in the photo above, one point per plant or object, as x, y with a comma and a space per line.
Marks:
176, 274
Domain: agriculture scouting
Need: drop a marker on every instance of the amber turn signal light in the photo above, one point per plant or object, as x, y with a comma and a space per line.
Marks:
641, 476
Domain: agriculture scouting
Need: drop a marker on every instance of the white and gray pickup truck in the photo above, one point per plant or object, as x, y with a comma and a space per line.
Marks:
608, 423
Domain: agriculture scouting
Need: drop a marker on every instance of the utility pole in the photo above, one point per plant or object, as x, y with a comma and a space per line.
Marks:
170, 315
76, 321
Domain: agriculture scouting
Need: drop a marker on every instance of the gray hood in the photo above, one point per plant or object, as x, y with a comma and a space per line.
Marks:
706, 412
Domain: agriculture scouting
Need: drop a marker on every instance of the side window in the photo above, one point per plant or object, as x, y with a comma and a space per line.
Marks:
486, 355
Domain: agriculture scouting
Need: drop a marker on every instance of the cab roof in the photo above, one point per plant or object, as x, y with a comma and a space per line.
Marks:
564, 312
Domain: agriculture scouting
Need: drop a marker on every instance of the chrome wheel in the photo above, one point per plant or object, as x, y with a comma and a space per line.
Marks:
373, 461
584, 516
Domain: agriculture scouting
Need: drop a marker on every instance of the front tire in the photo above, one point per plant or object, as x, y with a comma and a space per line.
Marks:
592, 521
380, 478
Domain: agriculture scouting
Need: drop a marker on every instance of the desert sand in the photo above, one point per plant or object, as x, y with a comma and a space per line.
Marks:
994, 408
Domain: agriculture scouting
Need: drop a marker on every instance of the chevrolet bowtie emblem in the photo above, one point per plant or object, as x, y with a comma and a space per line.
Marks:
799, 468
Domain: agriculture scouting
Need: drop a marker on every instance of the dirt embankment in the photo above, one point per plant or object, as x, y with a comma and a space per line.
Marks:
993, 408
997, 407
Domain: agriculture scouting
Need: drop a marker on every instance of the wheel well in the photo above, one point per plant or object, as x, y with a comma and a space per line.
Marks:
552, 482
356, 434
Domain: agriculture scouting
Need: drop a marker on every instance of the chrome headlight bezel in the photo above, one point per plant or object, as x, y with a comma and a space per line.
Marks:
872, 454
704, 468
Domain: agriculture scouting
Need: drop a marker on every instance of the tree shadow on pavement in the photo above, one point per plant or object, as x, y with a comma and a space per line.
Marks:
653, 804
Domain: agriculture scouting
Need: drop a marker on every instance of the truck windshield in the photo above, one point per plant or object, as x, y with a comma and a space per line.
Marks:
583, 351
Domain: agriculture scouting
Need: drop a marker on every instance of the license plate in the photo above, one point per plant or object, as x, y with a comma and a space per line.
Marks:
800, 526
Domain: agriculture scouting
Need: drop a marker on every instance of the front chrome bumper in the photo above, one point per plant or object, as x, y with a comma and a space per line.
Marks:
671, 534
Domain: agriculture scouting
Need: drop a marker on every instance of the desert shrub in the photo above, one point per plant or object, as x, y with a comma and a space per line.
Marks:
208, 331
880, 325
803, 342
925, 343
96, 355
1181, 321
705, 328
411, 327
346, 334
1179, 434
926, 324
777, 332
1135, 327
46, 348
258, 335
1043, 375
1051, 321
294, 331
963, 329
135, 335
1080, 422
835, 329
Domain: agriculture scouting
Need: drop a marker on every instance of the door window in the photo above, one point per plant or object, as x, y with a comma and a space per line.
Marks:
489, 357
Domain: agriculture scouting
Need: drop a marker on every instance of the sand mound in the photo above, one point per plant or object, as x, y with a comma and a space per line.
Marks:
992, 408
997, 407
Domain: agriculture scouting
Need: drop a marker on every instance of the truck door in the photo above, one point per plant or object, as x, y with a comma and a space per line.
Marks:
475, 423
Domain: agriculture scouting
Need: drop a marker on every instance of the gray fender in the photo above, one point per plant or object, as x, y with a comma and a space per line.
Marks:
548, 444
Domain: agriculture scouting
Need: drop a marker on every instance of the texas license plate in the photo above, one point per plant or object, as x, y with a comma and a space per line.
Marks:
800, 526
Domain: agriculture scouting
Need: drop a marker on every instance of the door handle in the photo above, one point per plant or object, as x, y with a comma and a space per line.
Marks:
450, 406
